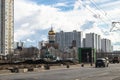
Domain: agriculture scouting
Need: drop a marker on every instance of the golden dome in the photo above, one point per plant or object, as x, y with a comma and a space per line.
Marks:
51, 32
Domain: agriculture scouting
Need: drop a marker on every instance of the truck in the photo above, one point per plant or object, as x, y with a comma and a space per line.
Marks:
116, 59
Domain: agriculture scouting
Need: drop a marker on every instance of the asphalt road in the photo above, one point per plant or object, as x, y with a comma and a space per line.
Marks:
81, 73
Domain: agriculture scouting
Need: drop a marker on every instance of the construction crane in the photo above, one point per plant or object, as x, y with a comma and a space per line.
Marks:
114, 25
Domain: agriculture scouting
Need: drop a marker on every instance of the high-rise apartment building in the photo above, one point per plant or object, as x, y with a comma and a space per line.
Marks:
106, 45
93, 40
67, 39
6, 26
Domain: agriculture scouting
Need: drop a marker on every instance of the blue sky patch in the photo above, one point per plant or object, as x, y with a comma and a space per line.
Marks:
87, 25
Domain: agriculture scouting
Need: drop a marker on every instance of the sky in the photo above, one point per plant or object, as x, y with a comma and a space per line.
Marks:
34, 18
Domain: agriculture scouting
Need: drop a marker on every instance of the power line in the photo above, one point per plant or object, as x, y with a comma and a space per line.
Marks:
103, 13
96, 14
93, 2
109, 17
101, 10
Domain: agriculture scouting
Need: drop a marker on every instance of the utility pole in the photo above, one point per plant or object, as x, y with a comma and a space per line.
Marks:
114, 25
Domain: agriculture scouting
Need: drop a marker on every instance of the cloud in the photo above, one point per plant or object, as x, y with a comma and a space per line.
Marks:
29, 40
78, 5
94, 29
87, 25
116, 47
44, 37
24, 8
33, 17
111, 5
60, 4
30, 18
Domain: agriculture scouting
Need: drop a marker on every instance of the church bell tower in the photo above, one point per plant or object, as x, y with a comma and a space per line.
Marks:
51, 35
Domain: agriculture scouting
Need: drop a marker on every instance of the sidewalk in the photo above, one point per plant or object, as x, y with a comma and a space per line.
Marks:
51, 68
71, 66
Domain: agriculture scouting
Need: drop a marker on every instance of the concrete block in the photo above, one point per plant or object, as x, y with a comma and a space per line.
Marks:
37, 69
23, 70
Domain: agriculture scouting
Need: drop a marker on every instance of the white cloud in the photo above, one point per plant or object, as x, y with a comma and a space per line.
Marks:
101, 1
60, 5
44, 37
22, 33
34, 17
31, 17
110, 5
117, 47
114, 36
94, 29
29, 40
24, 8
78, 4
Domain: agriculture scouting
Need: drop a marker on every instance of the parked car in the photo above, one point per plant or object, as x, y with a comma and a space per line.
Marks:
115, 60
101, 62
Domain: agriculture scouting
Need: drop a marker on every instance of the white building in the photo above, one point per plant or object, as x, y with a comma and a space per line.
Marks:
93, 40
42, 44
106, 45
67, 39
6, 26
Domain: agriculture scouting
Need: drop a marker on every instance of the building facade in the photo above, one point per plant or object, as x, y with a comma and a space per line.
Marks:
106, 45
68, 39
93, 40
6, 26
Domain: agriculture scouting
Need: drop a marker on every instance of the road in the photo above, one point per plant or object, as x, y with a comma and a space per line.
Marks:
81, 73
